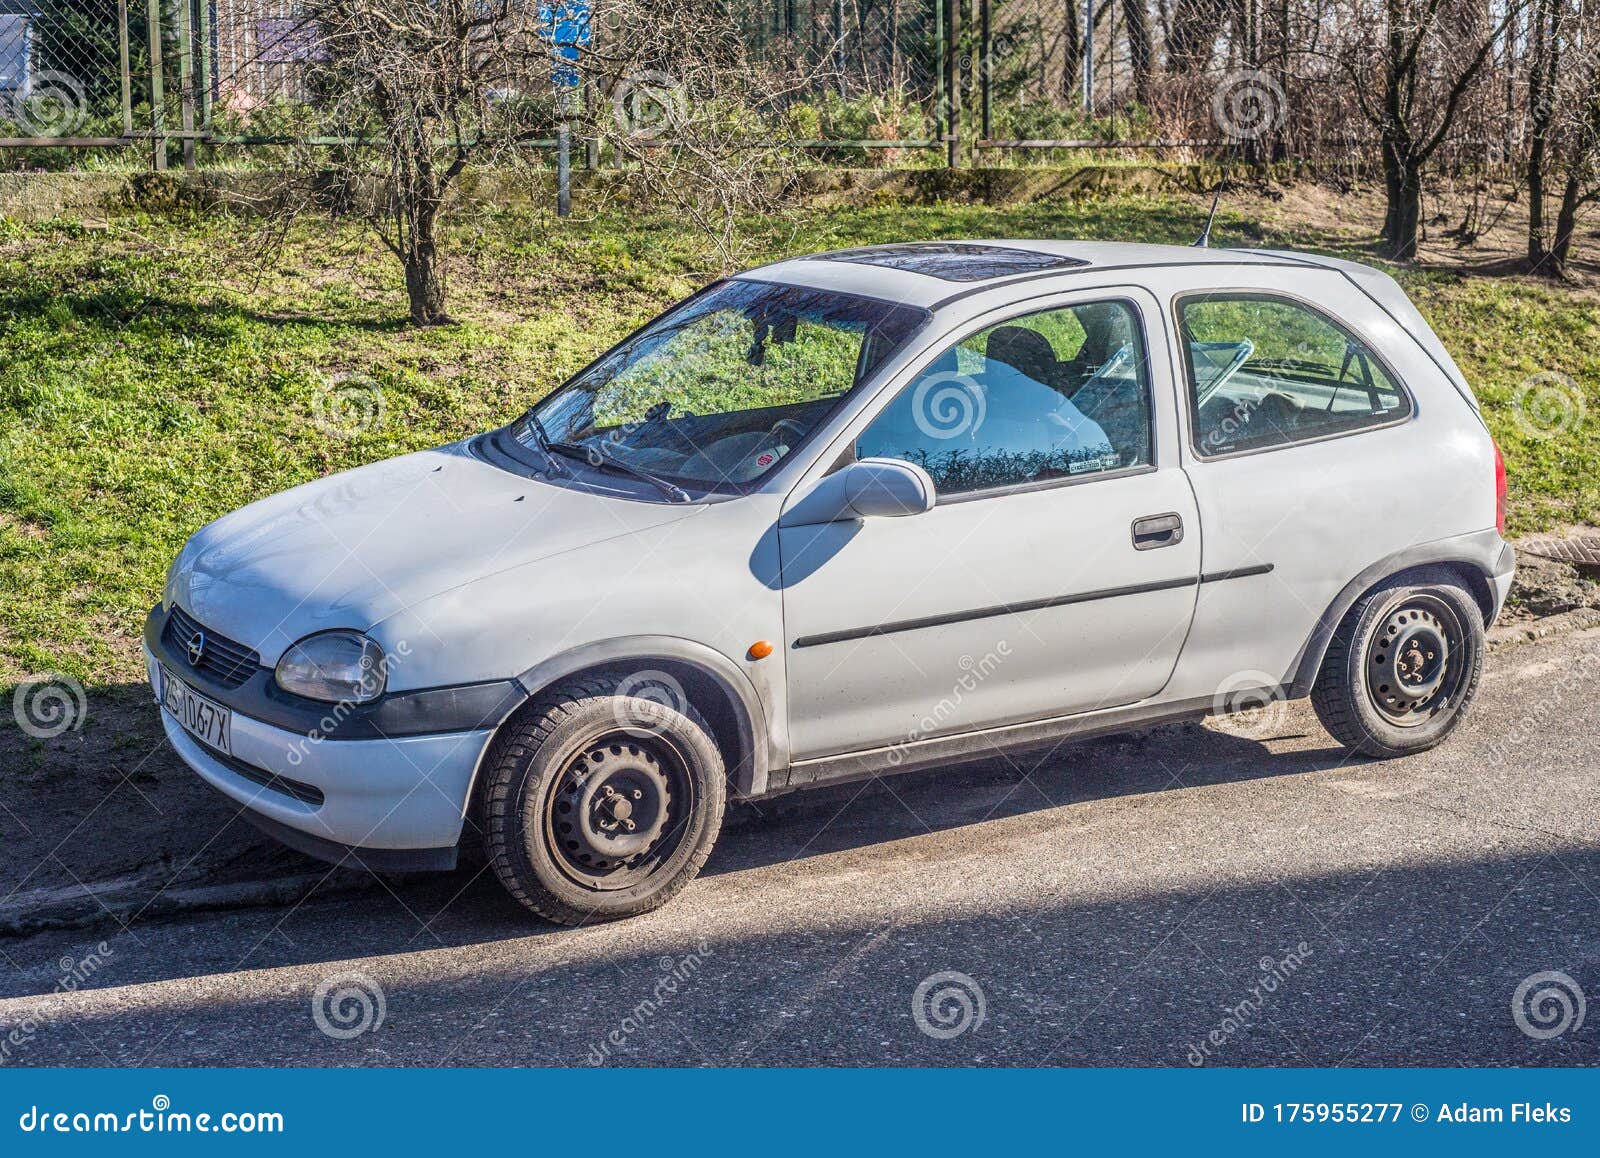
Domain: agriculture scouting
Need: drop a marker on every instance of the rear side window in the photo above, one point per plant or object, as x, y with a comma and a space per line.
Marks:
1267, 371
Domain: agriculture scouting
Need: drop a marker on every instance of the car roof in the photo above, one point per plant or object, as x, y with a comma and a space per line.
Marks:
928, 274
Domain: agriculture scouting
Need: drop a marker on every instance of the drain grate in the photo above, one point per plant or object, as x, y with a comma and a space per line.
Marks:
1583, 551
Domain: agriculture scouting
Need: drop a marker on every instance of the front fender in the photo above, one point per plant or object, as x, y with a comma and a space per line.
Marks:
762, 744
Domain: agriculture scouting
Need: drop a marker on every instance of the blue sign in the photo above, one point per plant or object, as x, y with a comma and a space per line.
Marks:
567, 26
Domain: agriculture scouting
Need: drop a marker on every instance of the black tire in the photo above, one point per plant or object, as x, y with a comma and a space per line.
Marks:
561, 784
1386, 687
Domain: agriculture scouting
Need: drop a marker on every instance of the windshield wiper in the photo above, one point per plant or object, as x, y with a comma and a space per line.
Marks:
599, 459
545, 446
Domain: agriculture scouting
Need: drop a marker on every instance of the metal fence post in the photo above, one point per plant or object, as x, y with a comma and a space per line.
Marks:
186, 78
563, 153
124, 55
953, 83
158, 95
206, 63
1088, 57
986, 74
941, 104
591, 139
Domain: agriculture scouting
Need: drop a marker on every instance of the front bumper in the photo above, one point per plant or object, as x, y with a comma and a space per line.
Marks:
389, 802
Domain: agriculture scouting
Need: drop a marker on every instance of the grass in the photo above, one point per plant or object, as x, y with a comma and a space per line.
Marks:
154, 376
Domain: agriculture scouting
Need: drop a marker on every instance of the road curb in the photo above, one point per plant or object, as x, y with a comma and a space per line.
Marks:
122, 906
1511, 635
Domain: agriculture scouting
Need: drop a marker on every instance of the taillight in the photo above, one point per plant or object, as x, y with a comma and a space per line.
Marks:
1499, 488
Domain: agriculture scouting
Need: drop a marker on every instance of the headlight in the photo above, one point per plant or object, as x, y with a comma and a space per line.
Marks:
336, 666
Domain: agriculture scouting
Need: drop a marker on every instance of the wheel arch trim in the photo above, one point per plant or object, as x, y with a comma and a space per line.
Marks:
758, 746
1479, 555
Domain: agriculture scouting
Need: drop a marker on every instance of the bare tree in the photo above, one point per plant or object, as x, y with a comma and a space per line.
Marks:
694, 113
1429, 54
1578, 137
416, 91
1140, 49
410, 94
1546, 33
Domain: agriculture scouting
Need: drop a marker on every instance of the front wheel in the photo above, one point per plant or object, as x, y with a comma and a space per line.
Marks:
1402, 667
598, 805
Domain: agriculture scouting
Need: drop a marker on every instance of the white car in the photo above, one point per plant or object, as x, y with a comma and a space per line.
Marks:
855, 513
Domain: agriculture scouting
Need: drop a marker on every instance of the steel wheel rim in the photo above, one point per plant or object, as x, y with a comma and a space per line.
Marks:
1413, 664
618, 810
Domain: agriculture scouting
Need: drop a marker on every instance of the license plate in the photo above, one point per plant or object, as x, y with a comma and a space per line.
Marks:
204, 719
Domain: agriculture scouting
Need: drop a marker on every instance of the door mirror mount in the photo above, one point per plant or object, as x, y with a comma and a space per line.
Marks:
869, 488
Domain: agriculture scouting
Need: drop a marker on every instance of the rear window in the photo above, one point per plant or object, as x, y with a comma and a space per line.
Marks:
1266, 371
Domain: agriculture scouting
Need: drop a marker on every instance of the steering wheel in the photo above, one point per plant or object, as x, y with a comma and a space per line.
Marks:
1281, 411
790, 426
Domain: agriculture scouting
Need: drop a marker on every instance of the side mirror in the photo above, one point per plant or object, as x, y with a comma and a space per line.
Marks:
868, 489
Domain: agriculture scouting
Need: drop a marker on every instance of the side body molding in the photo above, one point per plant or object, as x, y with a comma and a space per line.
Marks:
761, 745
1484, 553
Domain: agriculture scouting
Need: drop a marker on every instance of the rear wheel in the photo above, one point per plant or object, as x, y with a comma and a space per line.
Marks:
597, 805
1402, 667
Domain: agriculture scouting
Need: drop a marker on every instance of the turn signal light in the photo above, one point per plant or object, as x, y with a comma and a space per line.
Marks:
760, 649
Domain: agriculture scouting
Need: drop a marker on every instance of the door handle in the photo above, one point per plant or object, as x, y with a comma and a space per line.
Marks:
1154, 531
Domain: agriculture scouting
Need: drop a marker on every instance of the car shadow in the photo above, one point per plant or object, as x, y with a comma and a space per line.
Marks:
206, 842
1418, 963
1167, 757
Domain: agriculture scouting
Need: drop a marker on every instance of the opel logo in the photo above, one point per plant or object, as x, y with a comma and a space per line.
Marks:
197, 648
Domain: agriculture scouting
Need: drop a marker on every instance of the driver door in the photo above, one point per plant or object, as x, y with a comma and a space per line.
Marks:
1056, 573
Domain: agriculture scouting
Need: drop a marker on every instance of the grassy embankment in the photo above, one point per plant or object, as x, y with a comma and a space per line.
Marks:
151, 378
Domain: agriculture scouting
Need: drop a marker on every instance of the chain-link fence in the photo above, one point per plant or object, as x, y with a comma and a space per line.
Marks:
940, 80
64, 69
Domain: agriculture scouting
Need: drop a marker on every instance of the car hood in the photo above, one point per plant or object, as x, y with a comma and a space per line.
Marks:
354, 548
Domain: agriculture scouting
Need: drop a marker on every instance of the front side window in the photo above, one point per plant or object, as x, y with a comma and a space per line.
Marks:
717, 392
1266, 371
1049, 395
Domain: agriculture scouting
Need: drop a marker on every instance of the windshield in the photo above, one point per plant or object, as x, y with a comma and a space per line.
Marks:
715, 393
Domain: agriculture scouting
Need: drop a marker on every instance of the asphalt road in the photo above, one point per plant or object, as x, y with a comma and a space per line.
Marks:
1181, 896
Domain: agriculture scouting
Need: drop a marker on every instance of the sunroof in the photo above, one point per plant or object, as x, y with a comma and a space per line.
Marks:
955, 260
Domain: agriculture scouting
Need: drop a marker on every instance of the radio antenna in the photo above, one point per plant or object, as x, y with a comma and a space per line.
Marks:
1205, 234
